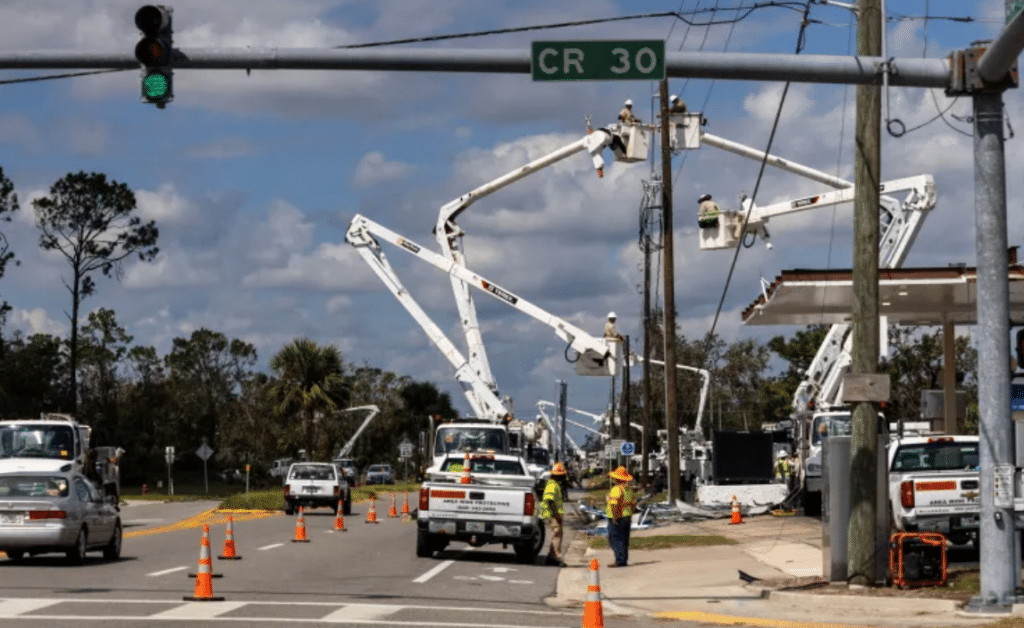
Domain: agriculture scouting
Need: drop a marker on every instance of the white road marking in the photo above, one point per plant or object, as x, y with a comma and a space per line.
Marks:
502, 569
198, 610
166, 571
433, 572
13, 608
484, 576
266, 547
463, 577
520, 581
360, 612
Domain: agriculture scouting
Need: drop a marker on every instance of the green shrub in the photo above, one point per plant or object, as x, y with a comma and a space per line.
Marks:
257, 500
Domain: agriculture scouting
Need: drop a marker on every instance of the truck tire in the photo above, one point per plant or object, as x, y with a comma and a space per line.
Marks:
346, 506
424, 548
289, 508
528, 551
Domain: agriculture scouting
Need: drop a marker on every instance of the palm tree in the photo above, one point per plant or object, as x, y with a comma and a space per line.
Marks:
309, 385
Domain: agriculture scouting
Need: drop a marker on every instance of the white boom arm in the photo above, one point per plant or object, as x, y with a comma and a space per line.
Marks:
449, 234
555, 434
705, 376
481, 397
347, 449
596, 354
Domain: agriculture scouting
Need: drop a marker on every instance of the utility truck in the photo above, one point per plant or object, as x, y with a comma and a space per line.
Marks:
490, 502
900, 220
59, 443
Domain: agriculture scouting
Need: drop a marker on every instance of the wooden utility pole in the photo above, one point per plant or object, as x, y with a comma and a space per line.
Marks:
645, 469
668, 266
861, 545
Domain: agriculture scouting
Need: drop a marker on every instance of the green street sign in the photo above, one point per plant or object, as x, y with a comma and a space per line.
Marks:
600, 60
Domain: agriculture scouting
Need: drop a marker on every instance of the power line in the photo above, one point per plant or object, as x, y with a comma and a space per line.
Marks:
50, 77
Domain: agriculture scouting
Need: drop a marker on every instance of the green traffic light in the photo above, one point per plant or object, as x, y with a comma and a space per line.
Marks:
156, 86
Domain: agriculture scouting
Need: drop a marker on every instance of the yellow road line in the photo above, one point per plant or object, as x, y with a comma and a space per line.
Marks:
733, 620
212, 517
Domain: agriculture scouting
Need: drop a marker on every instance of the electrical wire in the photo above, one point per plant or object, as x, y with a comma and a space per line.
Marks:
801, 40
50, 77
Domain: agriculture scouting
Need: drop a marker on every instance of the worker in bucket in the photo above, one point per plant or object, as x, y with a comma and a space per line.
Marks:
708, 211
676, 105
552, 508
626, 115
610, 331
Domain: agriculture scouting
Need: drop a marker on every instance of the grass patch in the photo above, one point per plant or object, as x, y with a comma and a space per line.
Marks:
257, 500
666, 541
384, 491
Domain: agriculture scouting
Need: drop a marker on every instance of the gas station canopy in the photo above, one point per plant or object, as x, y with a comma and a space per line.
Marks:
908, 296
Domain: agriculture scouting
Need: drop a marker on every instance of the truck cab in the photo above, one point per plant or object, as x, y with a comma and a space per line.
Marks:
463, 437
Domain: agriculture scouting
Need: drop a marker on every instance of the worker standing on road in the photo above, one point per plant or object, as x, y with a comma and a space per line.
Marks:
609, 328
782, 468
620, 507
552, 508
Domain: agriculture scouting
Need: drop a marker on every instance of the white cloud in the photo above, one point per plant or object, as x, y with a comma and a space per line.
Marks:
169, 269
166, 206
337, 304
374, 168
328, 267
285, 232
36, 321
225, 147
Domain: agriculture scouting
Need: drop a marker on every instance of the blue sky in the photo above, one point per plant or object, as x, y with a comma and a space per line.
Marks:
253, 179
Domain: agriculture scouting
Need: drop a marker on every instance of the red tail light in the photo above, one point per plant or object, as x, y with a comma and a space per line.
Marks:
907, 494
286, 491
424, 498
528, 505
36, 515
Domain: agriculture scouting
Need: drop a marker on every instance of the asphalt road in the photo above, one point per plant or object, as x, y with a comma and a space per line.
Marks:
368, 575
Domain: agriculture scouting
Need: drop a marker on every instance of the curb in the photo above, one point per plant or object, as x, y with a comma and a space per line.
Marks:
867, 602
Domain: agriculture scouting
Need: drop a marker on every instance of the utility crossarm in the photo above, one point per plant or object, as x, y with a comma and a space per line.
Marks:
449, 234
482, 399
705, 376
596, 354
599, 418
555, 434
347, 449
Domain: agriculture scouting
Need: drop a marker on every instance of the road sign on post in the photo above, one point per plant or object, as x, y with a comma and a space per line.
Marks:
627, 448
600, 60
205, 452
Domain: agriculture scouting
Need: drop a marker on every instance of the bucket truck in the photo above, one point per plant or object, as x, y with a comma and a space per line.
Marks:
629, 144
817, 401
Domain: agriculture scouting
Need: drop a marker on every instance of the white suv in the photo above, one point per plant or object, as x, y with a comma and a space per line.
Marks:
315, 484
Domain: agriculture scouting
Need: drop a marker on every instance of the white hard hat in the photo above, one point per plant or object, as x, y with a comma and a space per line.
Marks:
706, 197
629, 102
674, 98
782, 454
611, 314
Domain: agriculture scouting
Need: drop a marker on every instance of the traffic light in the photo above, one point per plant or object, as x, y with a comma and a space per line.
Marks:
154, 52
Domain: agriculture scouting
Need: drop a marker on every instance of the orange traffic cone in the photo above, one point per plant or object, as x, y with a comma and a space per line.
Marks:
394, 508
405, 504
339, 521
371, 515
229, 542
736, 516
206, 542
204, 574
300, 528
465, 479
593, 613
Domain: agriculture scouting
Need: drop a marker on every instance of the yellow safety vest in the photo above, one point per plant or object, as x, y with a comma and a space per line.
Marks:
552, 499
624, 496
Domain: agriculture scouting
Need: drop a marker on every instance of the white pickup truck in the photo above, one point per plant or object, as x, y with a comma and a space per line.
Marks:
934, 482
497, 506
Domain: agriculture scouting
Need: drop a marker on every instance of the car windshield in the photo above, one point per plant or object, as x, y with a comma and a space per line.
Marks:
19, 486
37, 441
377, 469
829, 425
312, 472
463, 439
939, 455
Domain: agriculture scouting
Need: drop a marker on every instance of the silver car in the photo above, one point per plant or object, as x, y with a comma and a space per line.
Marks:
380, 474
45, 512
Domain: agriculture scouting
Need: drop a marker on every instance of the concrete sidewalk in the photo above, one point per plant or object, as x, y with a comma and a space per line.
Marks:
703, 583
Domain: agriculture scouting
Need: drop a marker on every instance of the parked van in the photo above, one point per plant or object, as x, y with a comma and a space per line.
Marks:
279, 468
